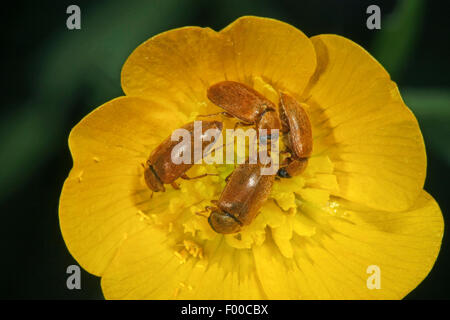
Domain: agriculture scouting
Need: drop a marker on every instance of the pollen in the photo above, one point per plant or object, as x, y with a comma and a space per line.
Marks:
190, 249
80, 176
142, 216
181, 255
193, 249
176, 292
333, 209
155, 219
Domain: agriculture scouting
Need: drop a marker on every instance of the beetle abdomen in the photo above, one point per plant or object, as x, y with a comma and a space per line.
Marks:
161, 157
245, 193
239, 100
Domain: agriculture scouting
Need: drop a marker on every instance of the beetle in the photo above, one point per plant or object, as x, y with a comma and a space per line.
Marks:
160, 169
241, 199
295, 122
248, 105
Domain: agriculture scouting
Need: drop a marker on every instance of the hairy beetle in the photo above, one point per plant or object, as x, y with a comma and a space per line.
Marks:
295, 122
160, 169
240, 101
241, 199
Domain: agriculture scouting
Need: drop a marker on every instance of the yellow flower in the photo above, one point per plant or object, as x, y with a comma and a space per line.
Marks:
360, 203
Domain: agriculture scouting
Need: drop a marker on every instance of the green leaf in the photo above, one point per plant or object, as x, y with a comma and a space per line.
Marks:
88, 59
395, 42
432, 109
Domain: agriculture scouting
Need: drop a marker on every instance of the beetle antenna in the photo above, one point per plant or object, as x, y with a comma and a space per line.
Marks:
207, 209
200, 213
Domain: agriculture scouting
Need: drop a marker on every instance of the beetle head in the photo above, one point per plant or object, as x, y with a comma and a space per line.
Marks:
223, 222
152, 180
283, 173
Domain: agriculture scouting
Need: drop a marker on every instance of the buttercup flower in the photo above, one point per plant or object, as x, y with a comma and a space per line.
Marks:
360, 202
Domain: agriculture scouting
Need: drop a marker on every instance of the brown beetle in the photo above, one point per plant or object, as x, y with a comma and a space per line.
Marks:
240, 101
160, 168
244, 194
295, 122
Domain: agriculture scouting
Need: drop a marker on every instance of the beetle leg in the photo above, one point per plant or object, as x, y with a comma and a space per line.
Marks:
228, 177
244, 124
223, 113
287, 161
175, 185
185, 177
200, 213
207, 209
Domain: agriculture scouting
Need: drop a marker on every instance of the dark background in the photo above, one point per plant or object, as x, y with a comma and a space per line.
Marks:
52, 77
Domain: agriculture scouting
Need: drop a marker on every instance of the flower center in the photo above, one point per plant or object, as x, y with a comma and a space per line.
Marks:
282, 216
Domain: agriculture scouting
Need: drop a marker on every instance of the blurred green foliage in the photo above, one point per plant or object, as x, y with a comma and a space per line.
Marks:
432, 109
72, 60
395, 42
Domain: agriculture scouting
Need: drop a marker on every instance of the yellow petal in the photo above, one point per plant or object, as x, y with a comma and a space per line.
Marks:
303, 226
282, 236
147, 267
104, 197
317, 196
372, 138
273, 50
334, 262
179, 65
